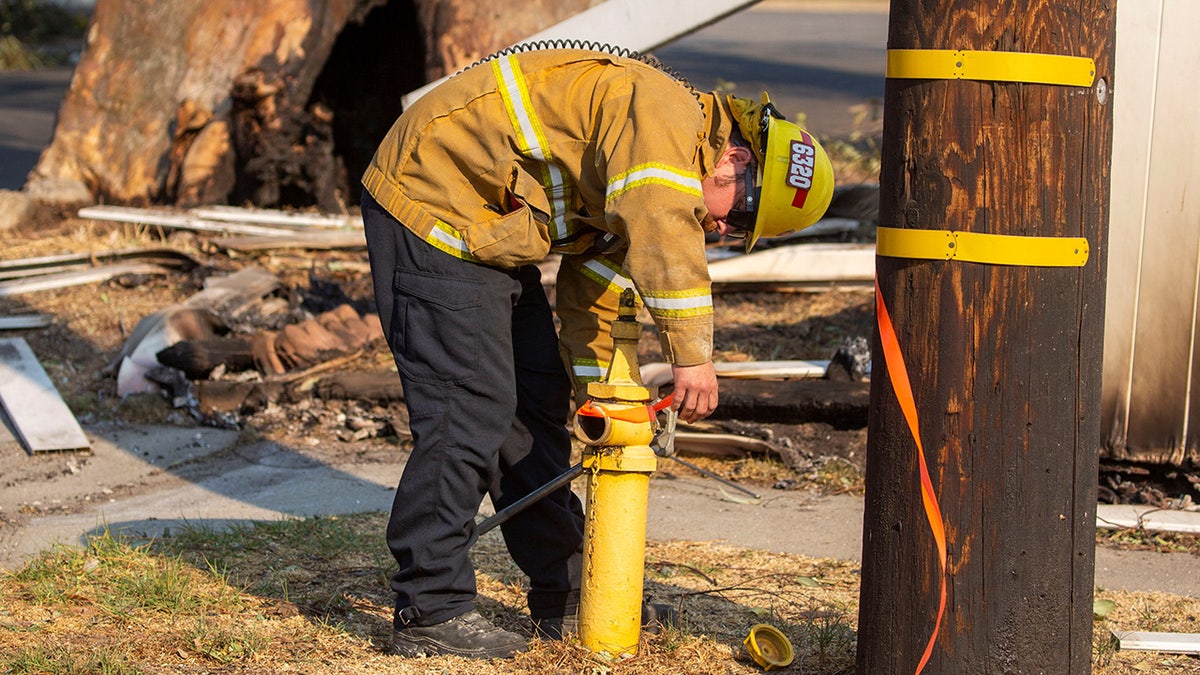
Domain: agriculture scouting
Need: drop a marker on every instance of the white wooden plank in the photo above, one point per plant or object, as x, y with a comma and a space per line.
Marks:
632, 24
235, 214
721, 445
658, 374
1132, 516
35, 408
24, 321
318, 240
806, 263
771, 369
122, 214
93, 275
1173, 643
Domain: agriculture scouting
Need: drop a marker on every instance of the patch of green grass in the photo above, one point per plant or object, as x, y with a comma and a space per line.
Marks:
224, 644
298, 561
839, 475
1104, 645
112, 607
671, 638
291, 539
115, 577
63, 660
826, 639
1148, 540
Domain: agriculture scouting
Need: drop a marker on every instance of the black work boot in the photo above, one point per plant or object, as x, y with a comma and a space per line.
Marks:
468, 635
654, 618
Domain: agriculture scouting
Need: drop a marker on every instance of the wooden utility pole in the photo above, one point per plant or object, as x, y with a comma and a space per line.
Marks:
999, 338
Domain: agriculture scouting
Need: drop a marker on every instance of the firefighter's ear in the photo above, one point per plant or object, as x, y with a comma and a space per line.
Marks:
737, 155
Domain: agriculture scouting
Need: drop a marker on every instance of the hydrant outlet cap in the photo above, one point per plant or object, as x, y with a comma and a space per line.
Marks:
769, 647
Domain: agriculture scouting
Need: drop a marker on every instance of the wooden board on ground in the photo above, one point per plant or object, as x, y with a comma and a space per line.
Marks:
720, 445
24, 268
42, 420
1172, 643
320, 241
799, 264
289, 219
25, 321
658, 374
175, 219
772, 369
46, 282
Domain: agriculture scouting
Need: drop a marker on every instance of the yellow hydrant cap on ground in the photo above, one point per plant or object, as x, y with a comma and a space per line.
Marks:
768, 646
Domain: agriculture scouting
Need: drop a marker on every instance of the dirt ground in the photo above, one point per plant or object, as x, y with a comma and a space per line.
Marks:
91, 323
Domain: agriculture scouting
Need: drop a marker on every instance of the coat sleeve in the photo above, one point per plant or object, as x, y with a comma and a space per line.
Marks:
648, 153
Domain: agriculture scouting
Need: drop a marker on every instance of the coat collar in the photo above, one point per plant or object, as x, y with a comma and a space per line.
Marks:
717, 124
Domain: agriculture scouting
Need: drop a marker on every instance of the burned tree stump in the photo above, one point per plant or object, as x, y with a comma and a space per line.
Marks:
272, 103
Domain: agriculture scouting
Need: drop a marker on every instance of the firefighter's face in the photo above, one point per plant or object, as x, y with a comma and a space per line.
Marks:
724, 190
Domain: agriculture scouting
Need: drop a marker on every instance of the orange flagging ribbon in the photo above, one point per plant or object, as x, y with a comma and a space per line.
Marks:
634, 415
898, 375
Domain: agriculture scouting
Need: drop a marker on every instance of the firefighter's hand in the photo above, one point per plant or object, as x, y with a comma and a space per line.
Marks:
695, 391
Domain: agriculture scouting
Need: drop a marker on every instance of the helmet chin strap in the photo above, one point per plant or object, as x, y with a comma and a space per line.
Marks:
741, 221
751, 196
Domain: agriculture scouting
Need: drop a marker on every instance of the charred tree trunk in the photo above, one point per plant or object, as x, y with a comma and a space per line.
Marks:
1004, 360
269, 102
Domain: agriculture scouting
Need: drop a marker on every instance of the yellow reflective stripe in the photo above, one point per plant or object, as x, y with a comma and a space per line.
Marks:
607, 274
449, 240
966, 64
654, 173
531, 139
993, 249
693, 302
588, 369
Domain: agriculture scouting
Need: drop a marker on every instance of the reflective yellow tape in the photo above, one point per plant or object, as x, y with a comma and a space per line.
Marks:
965, 64
992, 249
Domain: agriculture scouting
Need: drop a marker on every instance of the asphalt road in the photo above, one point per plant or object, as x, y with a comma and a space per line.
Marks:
28, 104
817, 58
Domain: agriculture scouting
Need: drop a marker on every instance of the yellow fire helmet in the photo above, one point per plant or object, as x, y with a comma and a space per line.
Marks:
795, 178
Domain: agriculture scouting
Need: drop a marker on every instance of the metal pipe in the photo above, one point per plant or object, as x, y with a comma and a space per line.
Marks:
713, 476
502, 516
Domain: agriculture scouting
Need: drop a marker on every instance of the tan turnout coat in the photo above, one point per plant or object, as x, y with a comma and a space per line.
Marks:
591, 155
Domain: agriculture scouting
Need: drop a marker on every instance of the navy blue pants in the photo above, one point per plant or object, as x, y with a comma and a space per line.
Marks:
488, 399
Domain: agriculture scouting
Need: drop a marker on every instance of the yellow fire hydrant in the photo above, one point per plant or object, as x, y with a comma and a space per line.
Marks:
617, 425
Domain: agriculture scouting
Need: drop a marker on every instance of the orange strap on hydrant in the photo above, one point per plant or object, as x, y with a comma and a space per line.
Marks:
634, 415
901, 386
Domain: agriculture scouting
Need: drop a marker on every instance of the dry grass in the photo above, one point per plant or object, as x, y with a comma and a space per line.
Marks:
308, 596
311, 596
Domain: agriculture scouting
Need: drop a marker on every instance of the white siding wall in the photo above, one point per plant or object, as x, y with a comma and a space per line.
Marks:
1151, 375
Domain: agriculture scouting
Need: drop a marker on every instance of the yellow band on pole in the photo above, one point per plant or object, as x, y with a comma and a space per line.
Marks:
965, 64
992, 249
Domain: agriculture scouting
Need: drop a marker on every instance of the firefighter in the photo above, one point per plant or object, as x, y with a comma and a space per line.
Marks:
621, 168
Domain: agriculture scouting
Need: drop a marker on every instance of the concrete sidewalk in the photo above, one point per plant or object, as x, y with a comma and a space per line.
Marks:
190, 476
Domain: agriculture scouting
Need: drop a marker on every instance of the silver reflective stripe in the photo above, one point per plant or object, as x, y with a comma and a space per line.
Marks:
654, 173
531, 139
